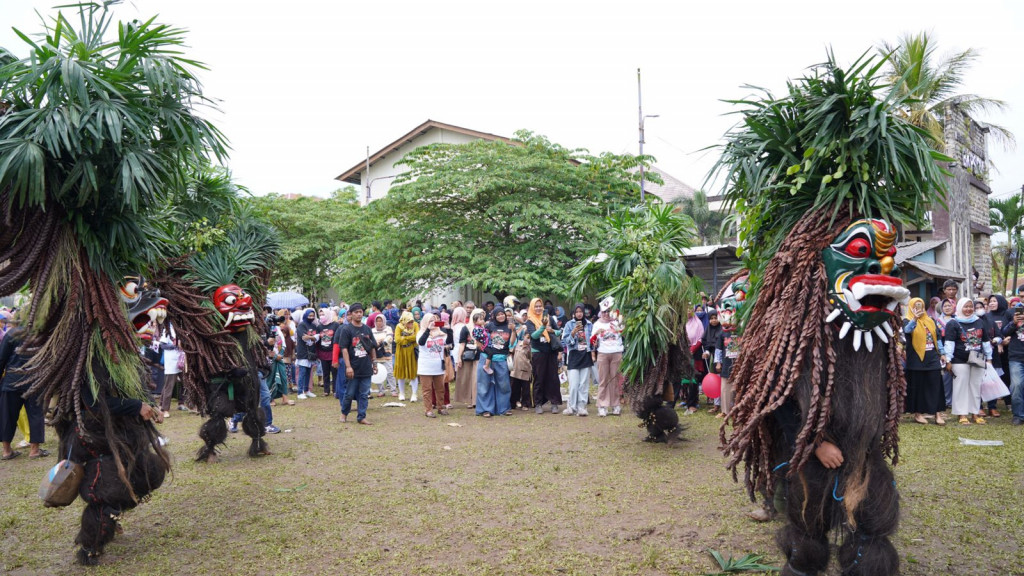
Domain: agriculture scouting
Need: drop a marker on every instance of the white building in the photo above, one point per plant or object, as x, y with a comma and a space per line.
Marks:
375, 174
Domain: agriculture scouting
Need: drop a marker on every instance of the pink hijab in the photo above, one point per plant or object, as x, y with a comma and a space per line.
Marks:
694, 329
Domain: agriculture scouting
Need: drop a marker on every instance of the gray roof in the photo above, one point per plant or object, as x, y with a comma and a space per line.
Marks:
910, 249
672, 190
934, 270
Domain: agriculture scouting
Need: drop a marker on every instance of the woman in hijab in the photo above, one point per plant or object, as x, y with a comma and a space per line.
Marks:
946, 312
417, 314
384, 337
934, 309
924, 364
540, 326
695, 332
324, 345
405, 355
465, 370
969, 346
999, 315
305, 351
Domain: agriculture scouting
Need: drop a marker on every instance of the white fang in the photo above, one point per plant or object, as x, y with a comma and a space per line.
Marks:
844, 330
856, 340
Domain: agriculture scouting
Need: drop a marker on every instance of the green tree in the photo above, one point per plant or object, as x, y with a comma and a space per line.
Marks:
707, 222
999, 268
640, 264
497, 216
315, 232
929, 85
1007, 216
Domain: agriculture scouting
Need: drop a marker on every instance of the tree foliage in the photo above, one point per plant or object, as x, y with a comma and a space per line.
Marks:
100, 124
315, 232
832, 143
928, 86
1007, 216
707, 223
640, 264
502, 217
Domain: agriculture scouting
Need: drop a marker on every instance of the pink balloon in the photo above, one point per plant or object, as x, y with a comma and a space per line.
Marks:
712, 386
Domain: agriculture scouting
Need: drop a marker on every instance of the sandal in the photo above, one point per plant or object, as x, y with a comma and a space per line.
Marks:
10, 456
994, 413
486, 414
939, 421
290, 403
920, 419
41, 454
979, 420
964, 421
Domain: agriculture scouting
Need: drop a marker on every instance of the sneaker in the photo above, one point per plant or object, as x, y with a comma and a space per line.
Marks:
182, 408
1017, 422
602, 412
167, 414
569, 412
401, 397
554, 408
443, 412
583, 412
540, 409
273, 429
413, 399
617, 411
233, 428
310, 395
23, 444
301, 396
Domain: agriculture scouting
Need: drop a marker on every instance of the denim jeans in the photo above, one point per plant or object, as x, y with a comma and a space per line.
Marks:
1017, 388
579, 389
303, 378
493, 391
357, 388
264, 403
340, 382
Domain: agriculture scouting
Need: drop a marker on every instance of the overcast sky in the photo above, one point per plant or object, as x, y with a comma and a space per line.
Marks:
306, 86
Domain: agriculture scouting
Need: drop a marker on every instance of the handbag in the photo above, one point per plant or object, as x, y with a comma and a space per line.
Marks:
471, 353
556, 345
449, 372
976, 358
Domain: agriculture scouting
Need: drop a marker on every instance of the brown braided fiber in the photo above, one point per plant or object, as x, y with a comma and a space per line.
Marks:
785, 337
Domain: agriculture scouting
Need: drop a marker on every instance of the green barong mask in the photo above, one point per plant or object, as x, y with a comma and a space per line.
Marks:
864, 286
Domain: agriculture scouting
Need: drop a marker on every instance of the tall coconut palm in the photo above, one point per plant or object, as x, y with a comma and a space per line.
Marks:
707, 222
1007, 216
929, 86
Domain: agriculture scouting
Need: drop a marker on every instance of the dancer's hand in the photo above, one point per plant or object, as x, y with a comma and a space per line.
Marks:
829, 455
147, 412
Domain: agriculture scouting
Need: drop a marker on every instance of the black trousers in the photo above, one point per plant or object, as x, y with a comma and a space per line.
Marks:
521, 393
328, 375
10, 408
546, 387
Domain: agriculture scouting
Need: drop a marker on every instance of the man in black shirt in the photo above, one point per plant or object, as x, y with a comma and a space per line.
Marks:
358, 349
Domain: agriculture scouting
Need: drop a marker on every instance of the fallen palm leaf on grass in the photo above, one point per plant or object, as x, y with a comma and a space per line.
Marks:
748, 563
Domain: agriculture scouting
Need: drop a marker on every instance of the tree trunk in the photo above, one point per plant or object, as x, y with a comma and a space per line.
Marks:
1016, 261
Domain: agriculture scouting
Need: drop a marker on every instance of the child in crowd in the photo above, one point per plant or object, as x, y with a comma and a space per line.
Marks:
483, 339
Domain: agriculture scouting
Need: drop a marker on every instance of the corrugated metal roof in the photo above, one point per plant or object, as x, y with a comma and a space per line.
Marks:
907, 250
708, 251
934, 270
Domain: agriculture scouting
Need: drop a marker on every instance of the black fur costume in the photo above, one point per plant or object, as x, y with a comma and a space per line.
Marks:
660, 419
111, 421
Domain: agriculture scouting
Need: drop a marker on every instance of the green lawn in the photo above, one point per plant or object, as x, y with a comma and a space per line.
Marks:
525, 494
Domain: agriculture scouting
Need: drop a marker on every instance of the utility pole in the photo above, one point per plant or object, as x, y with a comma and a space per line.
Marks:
640, 113
1016, 245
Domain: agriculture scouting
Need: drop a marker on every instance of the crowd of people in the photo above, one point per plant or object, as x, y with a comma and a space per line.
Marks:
495, 359
510, 356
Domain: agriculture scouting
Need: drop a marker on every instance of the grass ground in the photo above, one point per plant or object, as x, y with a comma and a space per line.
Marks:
517, 495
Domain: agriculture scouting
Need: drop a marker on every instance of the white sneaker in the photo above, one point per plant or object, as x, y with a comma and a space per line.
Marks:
413, 399
23, 444
310, 394
569, 412
583, 412
301, 396
602, 412
401, 397
616, 411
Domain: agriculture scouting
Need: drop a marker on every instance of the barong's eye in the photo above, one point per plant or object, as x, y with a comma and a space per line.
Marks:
230, 299
858, 248
130, 289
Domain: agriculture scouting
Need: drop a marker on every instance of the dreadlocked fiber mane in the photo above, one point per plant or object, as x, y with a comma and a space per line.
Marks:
788, 338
